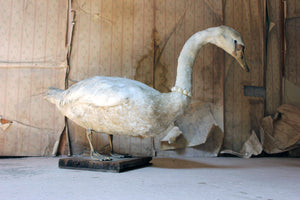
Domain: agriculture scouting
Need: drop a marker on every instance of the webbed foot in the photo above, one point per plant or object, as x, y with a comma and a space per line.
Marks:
97, 156
116, 155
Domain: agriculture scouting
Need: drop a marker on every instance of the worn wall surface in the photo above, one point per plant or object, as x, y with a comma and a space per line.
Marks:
137, 39
292, 31
275, 56
32, 58
242, 113
282, 73
291, 83
282, 69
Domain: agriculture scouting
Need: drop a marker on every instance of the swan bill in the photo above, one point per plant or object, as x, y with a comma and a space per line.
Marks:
243, 63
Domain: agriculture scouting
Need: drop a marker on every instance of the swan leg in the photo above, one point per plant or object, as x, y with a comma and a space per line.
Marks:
154, 153
95, 155
115, 155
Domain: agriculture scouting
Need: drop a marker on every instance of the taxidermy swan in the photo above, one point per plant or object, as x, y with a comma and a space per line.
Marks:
122, 106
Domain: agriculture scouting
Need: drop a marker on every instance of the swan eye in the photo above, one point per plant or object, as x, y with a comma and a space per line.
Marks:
235, 41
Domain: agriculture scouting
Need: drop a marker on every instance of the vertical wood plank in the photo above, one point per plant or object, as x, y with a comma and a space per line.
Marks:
292, 60
237, 116
274, 58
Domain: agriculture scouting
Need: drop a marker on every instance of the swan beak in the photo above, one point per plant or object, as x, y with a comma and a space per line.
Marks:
243, 63
238, 54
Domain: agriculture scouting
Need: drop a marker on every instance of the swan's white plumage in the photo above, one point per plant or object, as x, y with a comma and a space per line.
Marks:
107, 91
126, 107
116, 105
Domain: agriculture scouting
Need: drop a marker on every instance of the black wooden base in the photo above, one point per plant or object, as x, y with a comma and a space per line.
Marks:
116, 165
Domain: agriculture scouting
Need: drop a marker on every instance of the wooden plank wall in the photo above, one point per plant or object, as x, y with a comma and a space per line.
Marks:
139, 39
274, 56
32, 58
242, 114
292, 31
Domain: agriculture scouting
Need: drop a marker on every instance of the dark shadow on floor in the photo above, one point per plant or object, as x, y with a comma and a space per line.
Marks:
175, 163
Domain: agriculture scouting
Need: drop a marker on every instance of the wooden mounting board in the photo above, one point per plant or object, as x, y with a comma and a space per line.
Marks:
116, 165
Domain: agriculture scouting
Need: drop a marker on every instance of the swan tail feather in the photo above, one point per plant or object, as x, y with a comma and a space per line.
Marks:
54, 95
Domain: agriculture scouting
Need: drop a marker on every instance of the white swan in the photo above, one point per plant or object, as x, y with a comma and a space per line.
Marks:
122, 106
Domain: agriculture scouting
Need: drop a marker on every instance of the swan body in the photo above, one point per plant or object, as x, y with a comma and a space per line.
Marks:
122, 106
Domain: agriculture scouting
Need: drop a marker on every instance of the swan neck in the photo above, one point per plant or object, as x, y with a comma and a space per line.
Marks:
188, 55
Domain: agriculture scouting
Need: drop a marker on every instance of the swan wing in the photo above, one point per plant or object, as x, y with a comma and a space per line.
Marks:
104, 91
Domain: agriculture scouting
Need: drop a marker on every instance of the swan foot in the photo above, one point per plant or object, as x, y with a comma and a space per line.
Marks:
120, 156
97, 156
115, 155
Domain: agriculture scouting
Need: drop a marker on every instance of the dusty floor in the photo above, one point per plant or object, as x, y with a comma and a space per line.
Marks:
197, 178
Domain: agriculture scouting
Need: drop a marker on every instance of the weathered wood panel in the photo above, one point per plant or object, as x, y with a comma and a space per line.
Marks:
32, 58
247, 17
292, 30
140, 40
274, 56
292, 61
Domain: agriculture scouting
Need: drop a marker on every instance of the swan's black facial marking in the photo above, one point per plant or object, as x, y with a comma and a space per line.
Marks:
239, 55
238, 49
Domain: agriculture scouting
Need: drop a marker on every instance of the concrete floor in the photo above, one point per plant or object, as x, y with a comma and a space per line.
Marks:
197, 178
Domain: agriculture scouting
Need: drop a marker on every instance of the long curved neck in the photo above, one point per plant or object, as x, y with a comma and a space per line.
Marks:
188, 54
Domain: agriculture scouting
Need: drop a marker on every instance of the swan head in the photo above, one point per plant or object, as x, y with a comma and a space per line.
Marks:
231, 41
